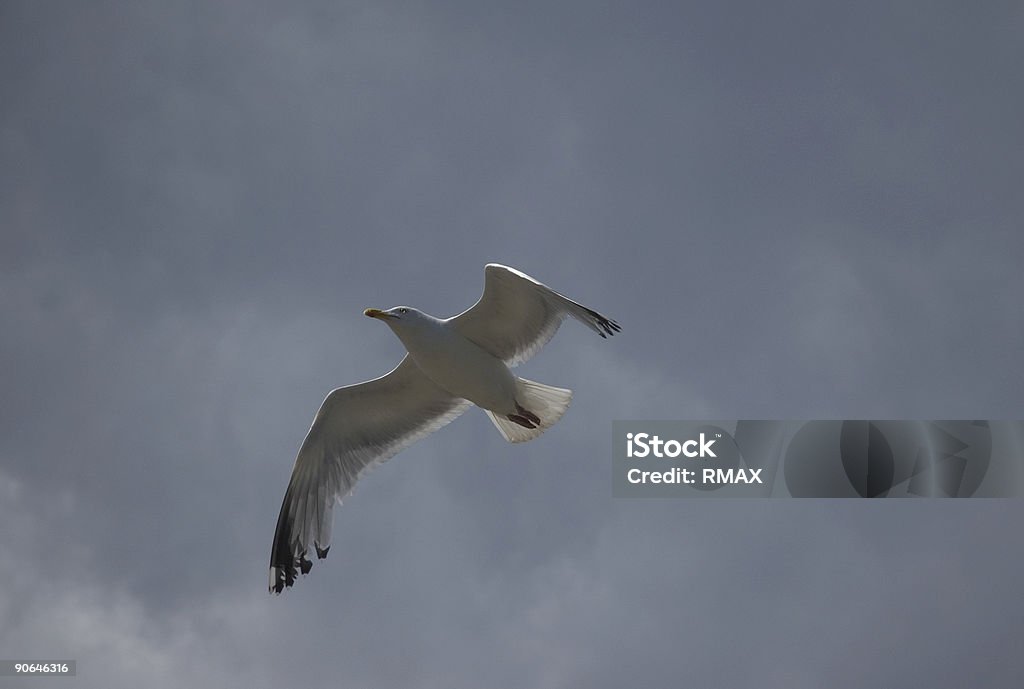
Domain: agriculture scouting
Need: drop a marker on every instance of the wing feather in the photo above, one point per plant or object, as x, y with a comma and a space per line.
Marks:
356, 428
517, 315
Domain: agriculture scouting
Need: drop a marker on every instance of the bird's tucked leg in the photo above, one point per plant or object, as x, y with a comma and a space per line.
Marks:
528, 414
521, 420
524, 417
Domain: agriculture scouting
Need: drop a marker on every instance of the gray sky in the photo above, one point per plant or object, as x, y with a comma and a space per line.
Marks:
795, 210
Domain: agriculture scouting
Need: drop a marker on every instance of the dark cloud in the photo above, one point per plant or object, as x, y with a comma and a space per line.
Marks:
795, 210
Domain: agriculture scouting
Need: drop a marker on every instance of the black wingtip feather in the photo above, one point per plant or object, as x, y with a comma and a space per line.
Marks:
609, 326
284, 561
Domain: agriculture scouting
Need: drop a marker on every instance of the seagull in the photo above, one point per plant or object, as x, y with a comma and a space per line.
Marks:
450, 365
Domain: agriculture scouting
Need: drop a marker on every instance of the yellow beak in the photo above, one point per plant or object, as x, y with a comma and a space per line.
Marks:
377, 313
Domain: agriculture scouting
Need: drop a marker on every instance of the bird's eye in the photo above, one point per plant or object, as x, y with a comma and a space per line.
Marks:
403, 310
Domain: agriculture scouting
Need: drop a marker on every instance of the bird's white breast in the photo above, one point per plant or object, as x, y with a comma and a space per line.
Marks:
461, 367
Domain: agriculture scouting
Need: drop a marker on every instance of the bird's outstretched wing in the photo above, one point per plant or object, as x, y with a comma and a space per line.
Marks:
516, 315
357, 427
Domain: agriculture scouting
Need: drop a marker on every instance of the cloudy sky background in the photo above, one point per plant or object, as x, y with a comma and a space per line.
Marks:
795, 210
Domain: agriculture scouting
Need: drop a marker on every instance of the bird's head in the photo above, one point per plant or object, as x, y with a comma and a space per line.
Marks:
399, 316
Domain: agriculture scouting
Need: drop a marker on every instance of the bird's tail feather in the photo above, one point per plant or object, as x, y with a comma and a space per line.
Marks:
548, 403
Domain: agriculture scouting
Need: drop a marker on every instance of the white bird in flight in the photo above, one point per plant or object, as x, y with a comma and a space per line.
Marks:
451, 364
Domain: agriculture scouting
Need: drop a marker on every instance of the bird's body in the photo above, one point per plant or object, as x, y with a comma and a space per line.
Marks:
451, 365
455, 364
